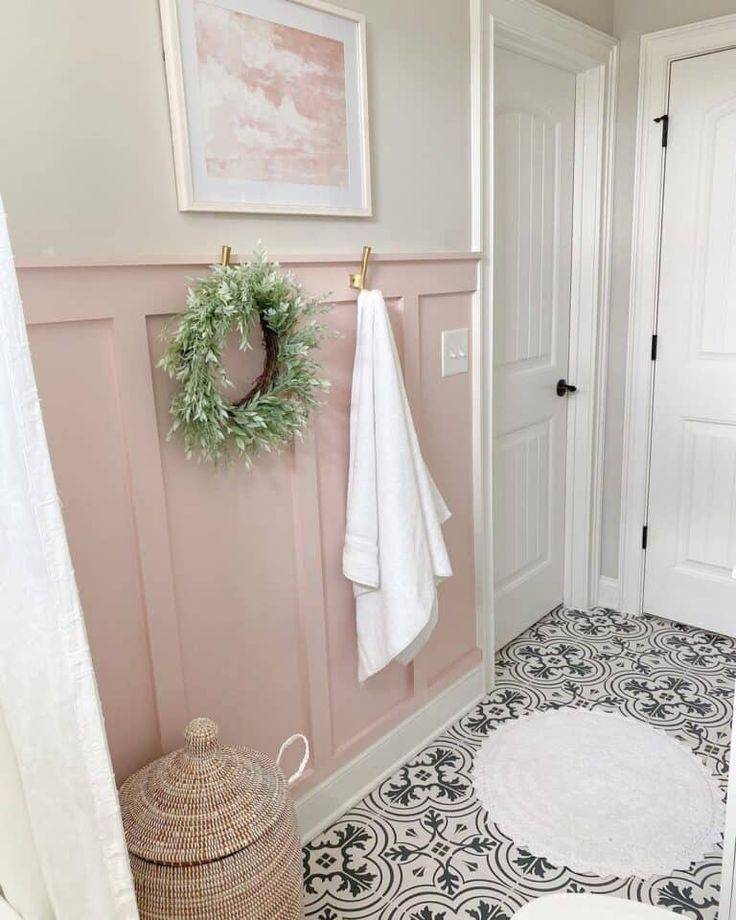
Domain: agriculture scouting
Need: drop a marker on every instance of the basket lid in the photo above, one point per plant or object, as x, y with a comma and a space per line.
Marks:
201, 803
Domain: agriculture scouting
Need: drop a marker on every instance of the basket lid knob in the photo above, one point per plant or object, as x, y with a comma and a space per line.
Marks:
201, 735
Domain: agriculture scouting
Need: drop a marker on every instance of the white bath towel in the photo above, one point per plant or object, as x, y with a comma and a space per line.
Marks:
394, 550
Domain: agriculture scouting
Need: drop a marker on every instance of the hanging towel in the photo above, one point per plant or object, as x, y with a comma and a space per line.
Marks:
394, 551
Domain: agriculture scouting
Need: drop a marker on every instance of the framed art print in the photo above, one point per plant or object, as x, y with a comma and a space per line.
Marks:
268, 104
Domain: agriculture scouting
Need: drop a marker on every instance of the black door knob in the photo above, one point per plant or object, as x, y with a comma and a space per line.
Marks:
563, 387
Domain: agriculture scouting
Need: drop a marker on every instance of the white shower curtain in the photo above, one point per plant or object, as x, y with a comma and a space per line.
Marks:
20, 871
48, 693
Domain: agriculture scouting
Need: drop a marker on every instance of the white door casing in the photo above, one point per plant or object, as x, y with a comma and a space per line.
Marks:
691, 545
534, 154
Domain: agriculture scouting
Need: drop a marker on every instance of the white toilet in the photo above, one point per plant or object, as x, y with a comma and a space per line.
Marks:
589, 907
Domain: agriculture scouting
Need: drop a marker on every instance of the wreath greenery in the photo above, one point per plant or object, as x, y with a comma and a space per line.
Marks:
278, 404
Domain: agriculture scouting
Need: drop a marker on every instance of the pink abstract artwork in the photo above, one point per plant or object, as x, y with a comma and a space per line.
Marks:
273, 98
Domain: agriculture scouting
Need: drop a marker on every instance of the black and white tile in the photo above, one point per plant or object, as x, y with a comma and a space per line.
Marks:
420, 847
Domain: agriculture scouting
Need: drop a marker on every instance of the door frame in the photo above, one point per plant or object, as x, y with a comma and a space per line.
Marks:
546, 35
658, 51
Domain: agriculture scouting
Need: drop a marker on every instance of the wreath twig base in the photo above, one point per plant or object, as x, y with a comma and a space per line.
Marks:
276, 408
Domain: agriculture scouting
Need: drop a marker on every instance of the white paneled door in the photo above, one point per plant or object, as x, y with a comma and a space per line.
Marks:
533, 194
691, 536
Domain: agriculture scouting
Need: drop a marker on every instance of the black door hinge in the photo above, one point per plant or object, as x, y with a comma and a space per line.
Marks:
654, 347
644, 535
665, 120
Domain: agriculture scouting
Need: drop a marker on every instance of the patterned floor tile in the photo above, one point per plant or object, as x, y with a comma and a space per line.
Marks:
420, 847
346, 870
438, 777
480, 901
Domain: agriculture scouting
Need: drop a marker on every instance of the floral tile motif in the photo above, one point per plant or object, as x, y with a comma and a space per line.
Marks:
669, 699
420, 847
446, 851
697, 651
479, 902
507, 701
345, 869
439, 776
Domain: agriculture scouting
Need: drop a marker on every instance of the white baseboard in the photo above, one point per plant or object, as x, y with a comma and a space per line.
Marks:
319, 807
609, 593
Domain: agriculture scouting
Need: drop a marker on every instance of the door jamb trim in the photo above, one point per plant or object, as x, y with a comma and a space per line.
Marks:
552, 37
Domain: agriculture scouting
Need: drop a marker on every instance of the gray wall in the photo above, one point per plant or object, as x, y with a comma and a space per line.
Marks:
596, 13
631, 18
87, 170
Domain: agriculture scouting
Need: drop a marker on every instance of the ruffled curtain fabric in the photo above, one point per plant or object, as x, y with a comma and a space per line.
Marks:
21, 880
7, 912
48, 692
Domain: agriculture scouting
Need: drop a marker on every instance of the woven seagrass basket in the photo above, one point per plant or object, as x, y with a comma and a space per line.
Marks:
212, 833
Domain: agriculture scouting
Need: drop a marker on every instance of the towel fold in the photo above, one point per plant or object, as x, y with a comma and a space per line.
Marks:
394, 551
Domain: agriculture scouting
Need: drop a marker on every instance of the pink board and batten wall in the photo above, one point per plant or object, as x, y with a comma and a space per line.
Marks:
221, 592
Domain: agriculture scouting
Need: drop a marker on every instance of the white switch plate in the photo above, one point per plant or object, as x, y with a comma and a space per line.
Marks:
454, 352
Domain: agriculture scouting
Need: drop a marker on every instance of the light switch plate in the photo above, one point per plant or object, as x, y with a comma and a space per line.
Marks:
454, 352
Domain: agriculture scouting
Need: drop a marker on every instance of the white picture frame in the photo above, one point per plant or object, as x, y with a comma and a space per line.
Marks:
254, 178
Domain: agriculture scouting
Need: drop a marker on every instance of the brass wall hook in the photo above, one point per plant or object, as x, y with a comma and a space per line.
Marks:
225, 255
357, 281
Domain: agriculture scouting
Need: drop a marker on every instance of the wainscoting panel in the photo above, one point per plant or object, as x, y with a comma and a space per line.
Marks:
446, 419
220, 592
75, 370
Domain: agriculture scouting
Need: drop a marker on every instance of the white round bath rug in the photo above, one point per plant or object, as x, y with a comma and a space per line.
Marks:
599, 793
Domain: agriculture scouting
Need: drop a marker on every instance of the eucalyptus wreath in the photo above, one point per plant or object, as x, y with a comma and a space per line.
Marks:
278, 404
